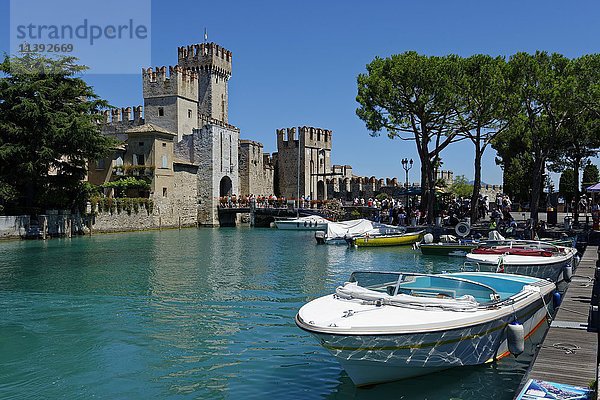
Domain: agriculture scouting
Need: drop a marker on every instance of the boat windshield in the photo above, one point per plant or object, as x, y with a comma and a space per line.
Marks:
394, 283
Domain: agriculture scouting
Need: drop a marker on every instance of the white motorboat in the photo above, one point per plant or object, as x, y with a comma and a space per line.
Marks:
385, 326
343, 232
310, 223
538, 259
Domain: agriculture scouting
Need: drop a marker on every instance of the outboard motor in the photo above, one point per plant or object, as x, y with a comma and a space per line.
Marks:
428, 238
348, 240
320, 236
515, 336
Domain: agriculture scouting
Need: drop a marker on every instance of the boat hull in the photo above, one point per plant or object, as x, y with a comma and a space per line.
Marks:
391, 240
456, 250
301, 226
372, 359
539, 267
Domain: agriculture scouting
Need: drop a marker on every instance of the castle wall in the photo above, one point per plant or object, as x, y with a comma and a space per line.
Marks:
185, 193
255, 169
213, 64
171, 100
215, 151
287, 163
314, 160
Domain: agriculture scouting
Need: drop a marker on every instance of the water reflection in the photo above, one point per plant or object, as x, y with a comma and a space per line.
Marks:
202, 313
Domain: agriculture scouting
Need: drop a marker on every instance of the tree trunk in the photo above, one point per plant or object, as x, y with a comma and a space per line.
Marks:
477, 183
536, 185
424, 192
431, 199
576, 164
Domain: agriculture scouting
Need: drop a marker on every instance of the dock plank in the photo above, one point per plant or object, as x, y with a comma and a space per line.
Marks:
553, 362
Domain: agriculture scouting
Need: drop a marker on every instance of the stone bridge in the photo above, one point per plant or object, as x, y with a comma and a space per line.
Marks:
259, 216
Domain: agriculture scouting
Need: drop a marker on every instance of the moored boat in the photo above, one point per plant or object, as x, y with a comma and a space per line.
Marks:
310, 223
384, 326
343, 232
536, 259
458, 249
399, 239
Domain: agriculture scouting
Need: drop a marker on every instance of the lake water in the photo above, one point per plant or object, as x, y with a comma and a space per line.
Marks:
196, 314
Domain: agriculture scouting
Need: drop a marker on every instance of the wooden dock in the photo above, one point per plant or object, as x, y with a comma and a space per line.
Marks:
568, 354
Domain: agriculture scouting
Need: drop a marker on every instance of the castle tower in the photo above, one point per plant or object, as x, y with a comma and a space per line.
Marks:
303, 162
212, 63
171, 100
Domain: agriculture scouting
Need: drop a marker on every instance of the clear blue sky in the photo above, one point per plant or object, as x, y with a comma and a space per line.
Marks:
296, 62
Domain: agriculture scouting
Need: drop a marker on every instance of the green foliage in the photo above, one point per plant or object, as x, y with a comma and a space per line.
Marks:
460, 187
129, 182
566, 185
126, 204
382, 196
412, 97
554, 119
355, 214
481, 108
49, 130
591, 175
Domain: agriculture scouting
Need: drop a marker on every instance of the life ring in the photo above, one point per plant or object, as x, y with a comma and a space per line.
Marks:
462, 229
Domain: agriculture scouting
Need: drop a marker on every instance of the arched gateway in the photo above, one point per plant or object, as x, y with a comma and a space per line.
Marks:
225, 186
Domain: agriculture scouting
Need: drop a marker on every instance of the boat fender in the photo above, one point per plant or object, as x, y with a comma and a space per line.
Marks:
576, 260
428, 238
462, 229
515, 336
556, 299
567, 272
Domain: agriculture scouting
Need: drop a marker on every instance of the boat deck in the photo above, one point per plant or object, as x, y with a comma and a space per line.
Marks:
568, 353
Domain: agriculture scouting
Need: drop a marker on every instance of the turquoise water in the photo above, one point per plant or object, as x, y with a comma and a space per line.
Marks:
195, 314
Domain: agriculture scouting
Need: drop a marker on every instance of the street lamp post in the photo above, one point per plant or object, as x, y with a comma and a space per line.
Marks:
407, 165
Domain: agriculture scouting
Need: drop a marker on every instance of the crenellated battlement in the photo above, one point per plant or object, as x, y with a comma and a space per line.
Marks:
171, 81
118, 120
268, 161
250, 143
316, 136
205, 120
286, 135
124, 115
206, 57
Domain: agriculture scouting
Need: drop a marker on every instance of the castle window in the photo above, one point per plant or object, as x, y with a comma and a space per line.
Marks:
326, 138
161, 112
164, 161
100, 163
164, 192
141, 144
164, 145
189, 113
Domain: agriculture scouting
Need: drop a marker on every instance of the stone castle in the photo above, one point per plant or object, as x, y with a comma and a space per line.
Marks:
181, 141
